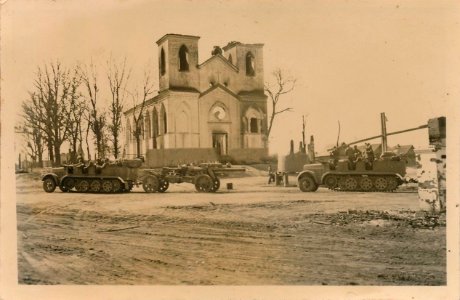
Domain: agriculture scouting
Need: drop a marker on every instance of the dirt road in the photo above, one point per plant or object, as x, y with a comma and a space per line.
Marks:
253, 235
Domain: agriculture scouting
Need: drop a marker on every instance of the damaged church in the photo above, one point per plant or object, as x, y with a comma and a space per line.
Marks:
215, 108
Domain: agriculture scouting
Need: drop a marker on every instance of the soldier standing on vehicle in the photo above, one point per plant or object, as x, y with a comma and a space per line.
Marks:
369, 155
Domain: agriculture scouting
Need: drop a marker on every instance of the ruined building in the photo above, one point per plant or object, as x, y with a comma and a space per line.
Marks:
218, 104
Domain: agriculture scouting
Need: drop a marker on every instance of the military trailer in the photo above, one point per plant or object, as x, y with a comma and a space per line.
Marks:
383, 175
121, 176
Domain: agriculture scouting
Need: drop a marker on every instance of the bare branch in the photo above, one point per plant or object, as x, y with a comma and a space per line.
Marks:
281, 111
281, 86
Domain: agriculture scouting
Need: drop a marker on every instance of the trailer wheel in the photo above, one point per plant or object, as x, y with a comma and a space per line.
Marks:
204, 183
215, 184
307, 184
49, 185
150, 184
164, 184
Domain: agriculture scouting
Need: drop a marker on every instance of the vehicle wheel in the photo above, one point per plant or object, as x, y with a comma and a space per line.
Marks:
215, 184
392, 183
331, 182
49, 185
150, 184
365, 184
380, 184
307, 184
83, 186
67, 184
351, 184
163, 186
95, 186
116, 186
107, 186
203, 183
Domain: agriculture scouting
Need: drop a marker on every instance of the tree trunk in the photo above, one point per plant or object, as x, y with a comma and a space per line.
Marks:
50, 150
57, 152
138, 146
115, 146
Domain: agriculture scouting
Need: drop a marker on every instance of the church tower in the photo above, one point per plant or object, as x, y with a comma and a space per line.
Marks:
178, 61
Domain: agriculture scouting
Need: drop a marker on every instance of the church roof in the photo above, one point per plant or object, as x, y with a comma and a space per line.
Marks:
222, 58
218, 85
183, 89
234, 43
176, 35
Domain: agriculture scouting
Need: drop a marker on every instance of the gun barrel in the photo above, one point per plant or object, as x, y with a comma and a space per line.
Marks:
228, 170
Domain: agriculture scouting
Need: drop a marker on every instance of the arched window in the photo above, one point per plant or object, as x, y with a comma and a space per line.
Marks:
162, 62
250, 68
155, 123
164, 119
230, 59
254, 125
183, 58
254, 118
148, 126
128, 132
141, 126
182, 123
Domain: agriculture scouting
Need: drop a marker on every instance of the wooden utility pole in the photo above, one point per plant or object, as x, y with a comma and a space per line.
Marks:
383, 120
303, 135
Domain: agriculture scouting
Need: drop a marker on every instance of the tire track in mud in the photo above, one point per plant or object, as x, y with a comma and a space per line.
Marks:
271, 243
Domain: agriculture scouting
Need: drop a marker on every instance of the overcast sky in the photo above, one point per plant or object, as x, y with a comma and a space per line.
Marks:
352, 59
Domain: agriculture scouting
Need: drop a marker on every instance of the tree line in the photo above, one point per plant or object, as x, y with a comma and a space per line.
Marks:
66, 105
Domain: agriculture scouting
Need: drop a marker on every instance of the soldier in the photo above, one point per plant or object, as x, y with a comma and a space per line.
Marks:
369, 155
350, 153
80, 162
358, 153
334, 158
271, 174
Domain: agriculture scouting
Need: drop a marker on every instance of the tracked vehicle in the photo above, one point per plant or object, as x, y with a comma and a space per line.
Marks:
123, 175
107, 178
384, 175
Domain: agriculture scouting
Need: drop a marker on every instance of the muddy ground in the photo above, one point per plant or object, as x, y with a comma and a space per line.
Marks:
255, 234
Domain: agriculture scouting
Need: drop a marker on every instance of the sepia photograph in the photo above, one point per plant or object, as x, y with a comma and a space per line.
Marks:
223, 149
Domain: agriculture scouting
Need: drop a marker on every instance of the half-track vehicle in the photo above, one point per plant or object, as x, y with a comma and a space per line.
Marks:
121, 176
383, 175
114, 177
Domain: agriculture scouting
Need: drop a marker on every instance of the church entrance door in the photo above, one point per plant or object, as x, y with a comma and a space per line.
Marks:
219, 142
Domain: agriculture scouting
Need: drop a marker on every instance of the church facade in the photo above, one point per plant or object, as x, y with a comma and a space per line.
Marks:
218, 104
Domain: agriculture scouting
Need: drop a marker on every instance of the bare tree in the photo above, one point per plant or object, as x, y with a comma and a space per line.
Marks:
35, 142
139, 100
281, 85
77, 120
49, 105
97, 118
118, 77
87, 118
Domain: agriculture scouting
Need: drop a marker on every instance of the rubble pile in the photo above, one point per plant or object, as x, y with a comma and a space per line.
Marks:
410, 218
